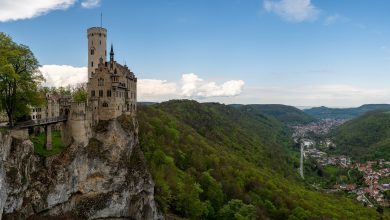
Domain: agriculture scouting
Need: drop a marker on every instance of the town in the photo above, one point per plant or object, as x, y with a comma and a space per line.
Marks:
315, 145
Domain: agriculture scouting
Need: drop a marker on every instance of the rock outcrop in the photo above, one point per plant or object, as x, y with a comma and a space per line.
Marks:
105, 179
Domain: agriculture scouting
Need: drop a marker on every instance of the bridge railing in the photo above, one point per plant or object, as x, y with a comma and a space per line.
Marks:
44, 121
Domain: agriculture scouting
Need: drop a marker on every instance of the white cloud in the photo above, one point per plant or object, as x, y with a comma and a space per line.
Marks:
11, 10
63, 75
292, 10
155, 90
190, 85
233, 91
90, 3
193, 86
317, 95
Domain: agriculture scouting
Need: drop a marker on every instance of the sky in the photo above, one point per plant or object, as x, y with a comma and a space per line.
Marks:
294, 52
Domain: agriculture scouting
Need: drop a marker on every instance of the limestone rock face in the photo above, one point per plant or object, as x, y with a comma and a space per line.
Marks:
106, 179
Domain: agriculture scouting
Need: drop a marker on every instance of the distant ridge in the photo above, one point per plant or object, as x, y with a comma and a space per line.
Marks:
286, 114
344, 113
365, 137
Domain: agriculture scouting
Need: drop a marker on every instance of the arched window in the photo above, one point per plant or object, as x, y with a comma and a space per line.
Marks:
105, 104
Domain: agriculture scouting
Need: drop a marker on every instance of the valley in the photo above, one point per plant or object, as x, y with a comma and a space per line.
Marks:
327, 169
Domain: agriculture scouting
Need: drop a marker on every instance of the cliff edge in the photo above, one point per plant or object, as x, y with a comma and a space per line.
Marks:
107, 178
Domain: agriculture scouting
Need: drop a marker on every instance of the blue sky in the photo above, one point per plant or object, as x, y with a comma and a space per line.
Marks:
296, 52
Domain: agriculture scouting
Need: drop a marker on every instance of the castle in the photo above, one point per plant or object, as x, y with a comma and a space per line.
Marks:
112, 87
112, 91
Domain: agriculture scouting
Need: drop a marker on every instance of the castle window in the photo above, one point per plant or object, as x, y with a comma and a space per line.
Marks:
100, 34
100, 42
93, 93
105, 104
108, 93
92, 51
100, 93
92, 64
100, 82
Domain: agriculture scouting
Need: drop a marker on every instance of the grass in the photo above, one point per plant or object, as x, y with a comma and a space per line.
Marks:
39, 144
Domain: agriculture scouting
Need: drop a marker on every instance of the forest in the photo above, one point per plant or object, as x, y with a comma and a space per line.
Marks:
212, 161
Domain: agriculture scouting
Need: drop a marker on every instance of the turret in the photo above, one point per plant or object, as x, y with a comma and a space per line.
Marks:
112, 53
96, 48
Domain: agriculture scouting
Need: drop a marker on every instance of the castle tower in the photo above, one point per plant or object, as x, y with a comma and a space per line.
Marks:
96, 48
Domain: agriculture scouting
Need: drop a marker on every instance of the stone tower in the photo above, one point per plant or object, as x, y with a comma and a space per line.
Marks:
96, 48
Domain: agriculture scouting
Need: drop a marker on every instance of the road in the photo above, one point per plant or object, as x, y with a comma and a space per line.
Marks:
301, 163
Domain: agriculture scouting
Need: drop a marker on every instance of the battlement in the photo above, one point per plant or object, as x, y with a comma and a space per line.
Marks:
96, 30
78, 111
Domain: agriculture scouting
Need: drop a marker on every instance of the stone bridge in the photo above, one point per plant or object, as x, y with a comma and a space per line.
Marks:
41, 122
46, 122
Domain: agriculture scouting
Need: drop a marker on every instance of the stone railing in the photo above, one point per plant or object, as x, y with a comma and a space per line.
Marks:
38, 122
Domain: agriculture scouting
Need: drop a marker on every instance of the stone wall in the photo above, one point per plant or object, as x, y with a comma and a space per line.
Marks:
78, 127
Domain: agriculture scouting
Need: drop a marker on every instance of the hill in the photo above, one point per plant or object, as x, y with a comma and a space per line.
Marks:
284, 113
366, 137
212, 161
344, 113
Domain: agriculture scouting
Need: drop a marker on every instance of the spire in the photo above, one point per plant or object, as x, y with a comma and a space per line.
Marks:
112, 53
101, 19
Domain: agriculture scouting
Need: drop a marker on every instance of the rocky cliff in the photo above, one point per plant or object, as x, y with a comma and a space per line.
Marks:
105, 179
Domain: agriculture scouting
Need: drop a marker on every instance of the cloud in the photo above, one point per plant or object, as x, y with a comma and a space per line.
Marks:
190, 85
233, 91
156, 90
292, 10
90, 3
339, 95
195, 87
63, 75
11, 10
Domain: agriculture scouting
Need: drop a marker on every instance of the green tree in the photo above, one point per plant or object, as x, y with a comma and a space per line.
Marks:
80, 93
19, 78
236, 209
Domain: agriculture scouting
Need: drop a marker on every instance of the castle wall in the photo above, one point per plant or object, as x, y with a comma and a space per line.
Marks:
78, 128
